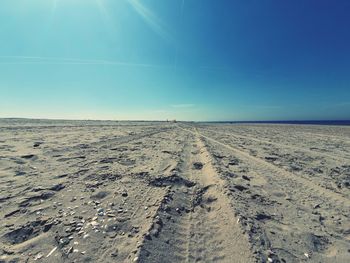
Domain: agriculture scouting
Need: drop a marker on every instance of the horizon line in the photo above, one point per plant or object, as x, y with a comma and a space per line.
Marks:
178, 120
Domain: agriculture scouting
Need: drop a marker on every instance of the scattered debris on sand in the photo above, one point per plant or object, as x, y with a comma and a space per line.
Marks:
173, 192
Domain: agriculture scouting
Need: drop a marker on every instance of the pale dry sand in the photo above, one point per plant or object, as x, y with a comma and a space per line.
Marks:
76, 191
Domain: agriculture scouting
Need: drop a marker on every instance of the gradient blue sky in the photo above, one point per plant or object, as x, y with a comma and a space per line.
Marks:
189, 60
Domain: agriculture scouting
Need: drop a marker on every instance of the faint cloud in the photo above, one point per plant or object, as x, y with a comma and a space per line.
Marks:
343, 104
213, 68
268, 107
183, 105
23, 60
151, 19
158, 111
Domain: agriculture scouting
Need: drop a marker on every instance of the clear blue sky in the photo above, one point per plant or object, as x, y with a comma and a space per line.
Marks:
189, 60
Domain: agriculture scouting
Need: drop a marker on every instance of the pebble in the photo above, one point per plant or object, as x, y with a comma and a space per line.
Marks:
317, 206
64, 241
38, 256
94, 224
110, 215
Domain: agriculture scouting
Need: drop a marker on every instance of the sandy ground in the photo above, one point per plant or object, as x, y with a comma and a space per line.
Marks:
173, 192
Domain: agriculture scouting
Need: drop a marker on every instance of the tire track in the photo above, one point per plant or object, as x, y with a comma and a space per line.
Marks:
284, 146
140, 216
281, 214
223, 238
195, 222
106, 143
167, 240
280, 174
327, 135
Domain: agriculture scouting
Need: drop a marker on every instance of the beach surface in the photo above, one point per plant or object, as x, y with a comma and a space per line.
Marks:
103, 191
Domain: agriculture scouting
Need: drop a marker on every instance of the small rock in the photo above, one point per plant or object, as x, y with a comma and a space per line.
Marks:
57, 187
111, 215
245, 177
317, 206
28, 156
95, 223
240, 187
37, 144
115, 253
64, 241
38, 256
198, 165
